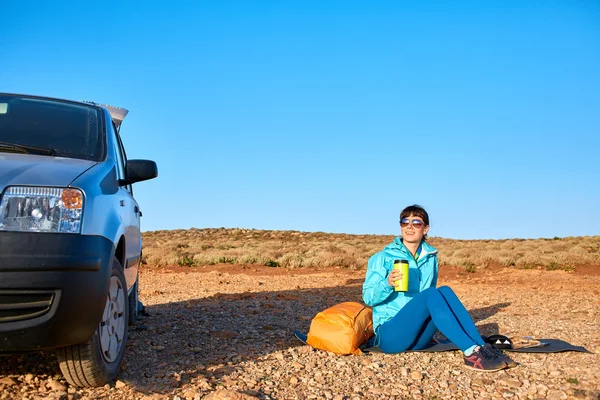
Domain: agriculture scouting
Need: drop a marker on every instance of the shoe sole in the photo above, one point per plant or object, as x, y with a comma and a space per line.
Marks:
486, 370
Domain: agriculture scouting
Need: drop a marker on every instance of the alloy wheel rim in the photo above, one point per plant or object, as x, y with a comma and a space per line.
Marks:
112, 326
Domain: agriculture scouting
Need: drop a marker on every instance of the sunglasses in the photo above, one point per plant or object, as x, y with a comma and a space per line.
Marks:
417, 223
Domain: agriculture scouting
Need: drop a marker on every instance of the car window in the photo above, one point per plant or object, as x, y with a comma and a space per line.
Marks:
50, 127
121, 157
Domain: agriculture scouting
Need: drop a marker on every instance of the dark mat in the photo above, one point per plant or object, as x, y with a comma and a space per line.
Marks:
546, 346
551, 346
301, 336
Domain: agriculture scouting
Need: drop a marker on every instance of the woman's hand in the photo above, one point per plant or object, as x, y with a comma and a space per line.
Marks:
395, 275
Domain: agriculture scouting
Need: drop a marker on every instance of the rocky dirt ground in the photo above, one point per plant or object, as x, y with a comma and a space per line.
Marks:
226, 332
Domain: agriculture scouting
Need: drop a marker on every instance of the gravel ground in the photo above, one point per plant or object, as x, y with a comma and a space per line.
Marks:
227, 333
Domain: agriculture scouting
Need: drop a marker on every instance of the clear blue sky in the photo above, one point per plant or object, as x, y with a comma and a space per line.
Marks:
334, 115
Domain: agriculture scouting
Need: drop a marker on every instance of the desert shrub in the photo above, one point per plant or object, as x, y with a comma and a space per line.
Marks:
249, 260
568, 268
553, 266
294, 249
292, 260
186, 261
272, 263
469, 266
507, 261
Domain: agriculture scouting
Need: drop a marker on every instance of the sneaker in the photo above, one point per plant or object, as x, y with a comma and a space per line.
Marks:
485, 359
510, 363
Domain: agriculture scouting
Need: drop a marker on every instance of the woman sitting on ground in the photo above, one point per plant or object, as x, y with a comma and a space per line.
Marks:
408, 320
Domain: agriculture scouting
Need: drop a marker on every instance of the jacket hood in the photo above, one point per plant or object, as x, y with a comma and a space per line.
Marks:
397, 248
34, 170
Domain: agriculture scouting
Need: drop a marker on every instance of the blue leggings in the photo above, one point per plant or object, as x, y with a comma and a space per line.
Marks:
432, 309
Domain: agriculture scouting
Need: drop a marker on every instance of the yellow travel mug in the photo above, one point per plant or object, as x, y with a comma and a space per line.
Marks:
401, 285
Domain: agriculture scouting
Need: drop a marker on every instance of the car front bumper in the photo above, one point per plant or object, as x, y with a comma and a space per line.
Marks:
53, 288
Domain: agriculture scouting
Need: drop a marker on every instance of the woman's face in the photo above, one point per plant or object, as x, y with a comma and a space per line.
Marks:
413, 229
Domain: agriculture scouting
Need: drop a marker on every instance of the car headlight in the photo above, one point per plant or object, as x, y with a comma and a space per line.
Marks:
41, 209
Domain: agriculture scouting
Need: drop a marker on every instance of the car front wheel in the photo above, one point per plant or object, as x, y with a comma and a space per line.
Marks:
97, 362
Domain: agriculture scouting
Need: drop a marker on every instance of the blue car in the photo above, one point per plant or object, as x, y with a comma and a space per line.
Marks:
70, 240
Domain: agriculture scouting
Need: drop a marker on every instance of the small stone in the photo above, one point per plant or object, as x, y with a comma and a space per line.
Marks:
55, 385
293, 381
514, 383
507, 394
474, 382
416, 375
328, 394
120, 384
29, 378
297, 365
8, 381
556, 395
228, 395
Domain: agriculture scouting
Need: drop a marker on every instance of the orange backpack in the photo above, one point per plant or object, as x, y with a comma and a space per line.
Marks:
341, 328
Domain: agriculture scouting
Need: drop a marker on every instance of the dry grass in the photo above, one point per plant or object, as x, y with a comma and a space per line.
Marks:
293, 249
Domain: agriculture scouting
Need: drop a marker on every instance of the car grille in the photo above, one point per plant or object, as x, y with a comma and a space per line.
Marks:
19, 305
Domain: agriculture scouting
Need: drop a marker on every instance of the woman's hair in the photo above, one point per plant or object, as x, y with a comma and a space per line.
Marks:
417, 211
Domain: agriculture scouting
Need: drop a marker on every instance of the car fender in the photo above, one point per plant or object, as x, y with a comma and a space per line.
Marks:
101, 201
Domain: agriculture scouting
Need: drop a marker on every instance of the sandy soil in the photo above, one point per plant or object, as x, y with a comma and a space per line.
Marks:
226, 331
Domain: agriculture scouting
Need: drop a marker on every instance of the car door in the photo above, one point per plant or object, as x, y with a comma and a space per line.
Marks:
130, 216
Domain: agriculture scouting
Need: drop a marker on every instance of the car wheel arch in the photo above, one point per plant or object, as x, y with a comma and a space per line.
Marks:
120, 252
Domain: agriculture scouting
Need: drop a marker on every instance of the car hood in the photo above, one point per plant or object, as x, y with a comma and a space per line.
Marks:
34, 170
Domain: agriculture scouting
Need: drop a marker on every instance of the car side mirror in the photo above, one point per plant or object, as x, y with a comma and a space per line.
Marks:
139, 170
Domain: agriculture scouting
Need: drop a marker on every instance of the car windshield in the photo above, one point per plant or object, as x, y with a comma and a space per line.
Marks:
50, 127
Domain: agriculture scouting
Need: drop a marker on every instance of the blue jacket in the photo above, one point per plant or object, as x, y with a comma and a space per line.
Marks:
377, 293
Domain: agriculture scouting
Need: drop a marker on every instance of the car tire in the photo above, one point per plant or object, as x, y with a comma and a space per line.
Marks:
98, 361
133, 299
